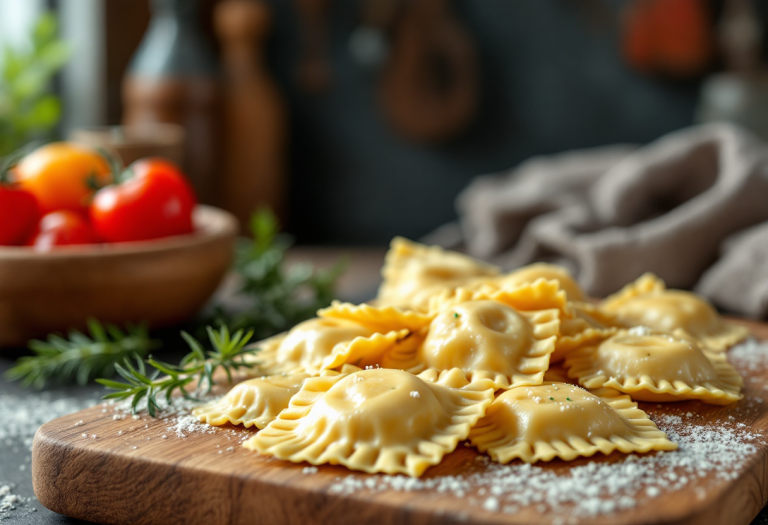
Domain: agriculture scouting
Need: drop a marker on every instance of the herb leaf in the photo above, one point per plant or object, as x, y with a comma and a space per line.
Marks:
279, 298
197, 367
80, 357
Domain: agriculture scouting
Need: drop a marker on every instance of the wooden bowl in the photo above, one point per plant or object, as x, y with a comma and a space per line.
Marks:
160, 282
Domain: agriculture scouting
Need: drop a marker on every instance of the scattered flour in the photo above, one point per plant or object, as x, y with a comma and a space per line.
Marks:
593, 488
178, 415
750, 355
9, 501
21, 417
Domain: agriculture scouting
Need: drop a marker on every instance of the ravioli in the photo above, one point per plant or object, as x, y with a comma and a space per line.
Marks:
487, 340
556, 373
254, 402
645, 284
376, 420
540, 295
380, 318
533, 272
265, 355
540, 423
583, 324
413, 273
654, 366
309, 346
676, 309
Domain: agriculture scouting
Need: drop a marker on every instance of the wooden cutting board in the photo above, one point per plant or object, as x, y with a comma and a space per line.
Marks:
92, 466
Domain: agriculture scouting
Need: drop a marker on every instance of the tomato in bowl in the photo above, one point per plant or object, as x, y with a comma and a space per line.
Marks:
128, 246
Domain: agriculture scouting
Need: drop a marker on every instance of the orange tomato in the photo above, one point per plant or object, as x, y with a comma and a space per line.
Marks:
57, 175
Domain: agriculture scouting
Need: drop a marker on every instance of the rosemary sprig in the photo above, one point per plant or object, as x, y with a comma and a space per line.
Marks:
279, 297
198, 367
81, 357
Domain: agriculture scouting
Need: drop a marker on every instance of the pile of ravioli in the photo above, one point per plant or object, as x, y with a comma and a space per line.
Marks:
521, 365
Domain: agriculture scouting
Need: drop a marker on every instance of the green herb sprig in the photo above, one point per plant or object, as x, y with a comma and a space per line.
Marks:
197, 366
279, 297
81, 357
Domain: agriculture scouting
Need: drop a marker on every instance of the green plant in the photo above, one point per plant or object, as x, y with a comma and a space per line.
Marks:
81, 357
279, 296
198, 366
28, 110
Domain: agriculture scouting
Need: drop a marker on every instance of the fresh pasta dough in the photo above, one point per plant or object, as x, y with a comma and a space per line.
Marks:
540, 423
413, 273
556, 373
380, 318
445, 335
533, 272
254, 402
376, 420
309, 346
647, 303
542, 294
487, 340
656, 366
583, 323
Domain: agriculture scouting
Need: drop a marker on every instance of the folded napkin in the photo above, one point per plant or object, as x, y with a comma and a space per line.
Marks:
611, 214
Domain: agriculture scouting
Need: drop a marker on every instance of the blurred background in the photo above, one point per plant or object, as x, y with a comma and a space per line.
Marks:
359, 120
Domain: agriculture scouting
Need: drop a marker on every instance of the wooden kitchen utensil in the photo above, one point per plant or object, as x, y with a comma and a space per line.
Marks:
429, 88
173, 79
255, 122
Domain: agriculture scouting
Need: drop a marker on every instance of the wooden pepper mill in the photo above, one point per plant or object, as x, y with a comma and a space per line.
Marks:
254, 113
173, 79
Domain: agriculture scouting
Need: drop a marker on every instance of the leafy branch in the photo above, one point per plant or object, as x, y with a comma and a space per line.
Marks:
81, 357
28, 110
279, 297
197, 367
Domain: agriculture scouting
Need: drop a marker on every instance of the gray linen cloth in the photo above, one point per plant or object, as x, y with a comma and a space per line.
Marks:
612, 213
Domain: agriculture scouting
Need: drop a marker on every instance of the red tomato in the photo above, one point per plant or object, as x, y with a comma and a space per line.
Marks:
18, 215
62, 228
154, 200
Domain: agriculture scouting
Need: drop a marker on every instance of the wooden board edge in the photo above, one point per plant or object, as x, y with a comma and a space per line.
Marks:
197, 496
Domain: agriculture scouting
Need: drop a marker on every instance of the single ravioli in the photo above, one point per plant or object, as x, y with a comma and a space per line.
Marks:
677, 309
645, 284
656, 367
309, 345
583, 324
413, 273
376, 420
533, 272
487, 340
539, 423
254, 402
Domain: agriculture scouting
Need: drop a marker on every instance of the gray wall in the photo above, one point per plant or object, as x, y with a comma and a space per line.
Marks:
552, 79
